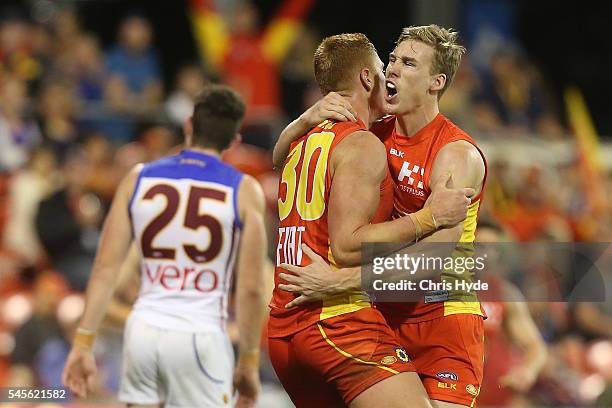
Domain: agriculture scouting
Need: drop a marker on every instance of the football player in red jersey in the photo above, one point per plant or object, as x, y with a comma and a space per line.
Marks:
515, 350
340, 350
444, 335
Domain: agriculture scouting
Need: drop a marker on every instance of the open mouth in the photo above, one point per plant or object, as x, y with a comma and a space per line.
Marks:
391, 89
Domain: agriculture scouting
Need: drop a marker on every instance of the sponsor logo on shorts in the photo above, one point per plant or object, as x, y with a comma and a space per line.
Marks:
447, 375
447, 386
402, 355
471, 389
388, 360
436, 296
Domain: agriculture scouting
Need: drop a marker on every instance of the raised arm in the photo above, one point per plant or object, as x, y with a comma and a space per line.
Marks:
285, 27
250, 288
331, 106
210, 31
80, 368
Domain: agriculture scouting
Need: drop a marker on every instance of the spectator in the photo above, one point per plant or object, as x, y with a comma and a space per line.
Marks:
512, 96
248, 57
26, 190
154, 141
134, 63
67, 223
189, 83
298, 73
18, 135
457, 103
16, 54
99, 173
534, 214
57, 110
88, 73
66, 31
40, 327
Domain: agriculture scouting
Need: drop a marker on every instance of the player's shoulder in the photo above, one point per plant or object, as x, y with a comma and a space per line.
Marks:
360, 148
160, 163
250, 193
361, 139
339, 131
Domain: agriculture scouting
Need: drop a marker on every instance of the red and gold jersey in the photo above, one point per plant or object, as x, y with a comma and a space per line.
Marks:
302, 208
411, 161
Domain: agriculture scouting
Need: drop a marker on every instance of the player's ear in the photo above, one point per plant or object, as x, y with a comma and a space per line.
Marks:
437, 83
188, 131
365, 77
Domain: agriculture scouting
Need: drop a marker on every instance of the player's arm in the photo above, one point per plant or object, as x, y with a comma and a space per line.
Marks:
458, 165
522, 331
331, 106
354, 197
349, 224
250, 287
467, 170
357, 179
128, 280
80, 368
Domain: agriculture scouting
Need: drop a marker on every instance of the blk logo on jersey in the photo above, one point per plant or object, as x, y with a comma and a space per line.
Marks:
411, 178
397, 153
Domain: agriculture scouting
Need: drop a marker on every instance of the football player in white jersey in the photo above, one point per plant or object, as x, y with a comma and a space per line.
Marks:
190, 215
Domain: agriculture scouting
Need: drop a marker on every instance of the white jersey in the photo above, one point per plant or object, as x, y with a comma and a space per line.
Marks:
185, 221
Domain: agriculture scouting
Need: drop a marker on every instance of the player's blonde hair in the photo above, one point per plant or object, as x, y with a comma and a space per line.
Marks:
447, 51
338, 57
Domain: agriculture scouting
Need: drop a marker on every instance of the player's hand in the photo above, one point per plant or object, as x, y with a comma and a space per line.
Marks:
246, 382
448, 205
80, 371
311, 282
520, 379
331, 106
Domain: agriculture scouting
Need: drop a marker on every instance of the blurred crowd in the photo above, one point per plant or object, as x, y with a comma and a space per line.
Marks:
75, 116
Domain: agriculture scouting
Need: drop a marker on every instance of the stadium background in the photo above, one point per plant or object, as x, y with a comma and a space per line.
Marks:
80, 103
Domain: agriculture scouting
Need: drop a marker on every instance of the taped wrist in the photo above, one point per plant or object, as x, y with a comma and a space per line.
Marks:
249, 358
84, 338
424, 222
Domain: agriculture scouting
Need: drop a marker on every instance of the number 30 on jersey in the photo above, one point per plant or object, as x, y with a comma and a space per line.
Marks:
306, 194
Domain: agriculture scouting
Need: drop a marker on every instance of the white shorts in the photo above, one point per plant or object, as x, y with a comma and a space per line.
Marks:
175, 369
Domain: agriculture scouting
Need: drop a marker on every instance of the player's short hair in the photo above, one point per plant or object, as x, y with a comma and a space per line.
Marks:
447, 51
217, 116
339, 57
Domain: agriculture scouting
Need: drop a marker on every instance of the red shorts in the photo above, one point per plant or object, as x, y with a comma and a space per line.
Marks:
331, 362
448, 353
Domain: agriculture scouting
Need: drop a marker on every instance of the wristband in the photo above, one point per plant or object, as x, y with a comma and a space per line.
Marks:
424, 222
249, 359
84, 338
